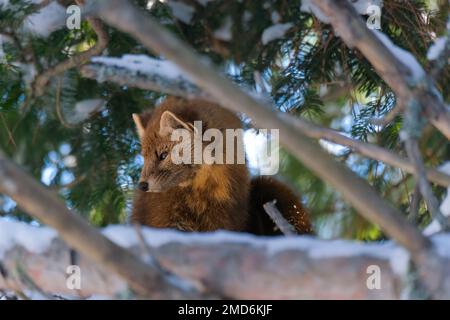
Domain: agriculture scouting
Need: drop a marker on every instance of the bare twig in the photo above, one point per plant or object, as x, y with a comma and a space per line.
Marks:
285, 227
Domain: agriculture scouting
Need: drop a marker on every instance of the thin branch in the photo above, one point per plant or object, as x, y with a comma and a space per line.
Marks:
10, 134
41, 81
412, 148
366, 149
415, 204
285, 227
155, 82
44, 205
411, 132
388, 118
58, 105
71, 184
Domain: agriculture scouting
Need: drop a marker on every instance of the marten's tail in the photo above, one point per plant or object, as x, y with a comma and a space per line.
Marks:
265, 189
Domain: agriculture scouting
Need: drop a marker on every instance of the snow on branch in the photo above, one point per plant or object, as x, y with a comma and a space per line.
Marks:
361, 6
439, 52
48, 17
145, 279
143, 72
401, 71
236, 265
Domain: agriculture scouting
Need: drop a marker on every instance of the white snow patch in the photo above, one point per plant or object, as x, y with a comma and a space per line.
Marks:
435, 226
144, 64
437, 48
442, 244
181, 11
275, 31
361, 7
126, 236
29, 71
397, 257
47, 20
85, 108
402, 55
33, 239
224, 32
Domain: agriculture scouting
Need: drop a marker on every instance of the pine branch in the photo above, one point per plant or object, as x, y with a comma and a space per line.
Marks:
408, 82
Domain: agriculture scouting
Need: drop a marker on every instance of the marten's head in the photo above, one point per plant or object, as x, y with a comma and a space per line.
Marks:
161, 170
173, 142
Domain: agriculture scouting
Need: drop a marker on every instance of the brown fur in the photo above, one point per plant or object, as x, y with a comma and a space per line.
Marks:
205, 197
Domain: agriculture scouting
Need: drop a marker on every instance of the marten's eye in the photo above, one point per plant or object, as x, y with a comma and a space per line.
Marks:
163, 155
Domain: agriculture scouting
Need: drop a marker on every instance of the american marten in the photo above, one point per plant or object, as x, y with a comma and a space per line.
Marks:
201, 196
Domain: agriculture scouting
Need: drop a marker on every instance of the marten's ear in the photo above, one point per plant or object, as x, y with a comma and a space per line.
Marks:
141, 120
170, 122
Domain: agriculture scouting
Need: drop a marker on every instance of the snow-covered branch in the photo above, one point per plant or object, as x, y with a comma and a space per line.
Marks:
234, 265
143, 72
399, 68
145, 279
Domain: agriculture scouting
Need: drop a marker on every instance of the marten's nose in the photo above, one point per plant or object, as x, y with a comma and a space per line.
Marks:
143, 186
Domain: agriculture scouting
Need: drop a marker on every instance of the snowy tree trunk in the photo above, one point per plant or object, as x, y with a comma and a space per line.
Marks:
235, 265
